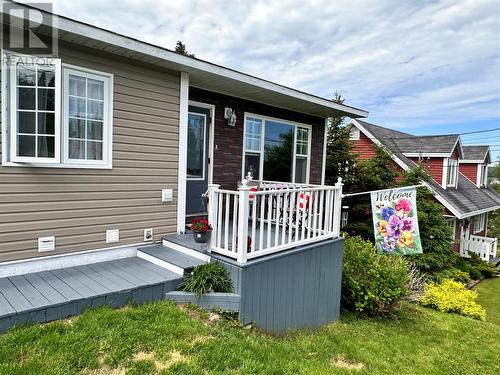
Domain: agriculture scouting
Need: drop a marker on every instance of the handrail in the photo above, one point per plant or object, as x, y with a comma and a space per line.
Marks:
248, 224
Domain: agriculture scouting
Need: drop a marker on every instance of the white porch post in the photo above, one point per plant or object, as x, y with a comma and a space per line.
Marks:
243, 222
183, 134
337, 207
212, 213
323, 166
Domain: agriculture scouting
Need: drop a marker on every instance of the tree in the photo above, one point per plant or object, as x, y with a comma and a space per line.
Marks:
340, 160
435, 234
180, 48
371, 174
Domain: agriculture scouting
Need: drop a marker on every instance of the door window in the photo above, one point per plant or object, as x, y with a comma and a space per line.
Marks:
196, 146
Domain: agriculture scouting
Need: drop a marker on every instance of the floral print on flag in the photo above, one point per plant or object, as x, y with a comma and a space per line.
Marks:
395, 221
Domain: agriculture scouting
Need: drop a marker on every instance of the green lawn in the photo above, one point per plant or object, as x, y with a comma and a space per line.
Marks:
161, 338
489, 298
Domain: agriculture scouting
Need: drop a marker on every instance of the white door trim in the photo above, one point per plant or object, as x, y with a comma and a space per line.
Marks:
211, 130
183, 123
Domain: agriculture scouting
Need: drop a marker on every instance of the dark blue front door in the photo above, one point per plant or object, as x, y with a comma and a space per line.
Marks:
197, 159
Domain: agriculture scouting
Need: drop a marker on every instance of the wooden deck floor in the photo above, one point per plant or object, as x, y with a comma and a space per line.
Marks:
50, 295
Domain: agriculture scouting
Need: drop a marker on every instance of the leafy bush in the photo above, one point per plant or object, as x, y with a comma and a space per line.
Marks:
453, 274
208, 277
371, 283
487, 270
452, 296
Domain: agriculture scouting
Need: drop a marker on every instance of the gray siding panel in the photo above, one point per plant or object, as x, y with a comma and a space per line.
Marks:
79, 205
298, 290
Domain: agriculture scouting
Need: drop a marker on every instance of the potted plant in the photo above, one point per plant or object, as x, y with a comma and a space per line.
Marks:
201, 230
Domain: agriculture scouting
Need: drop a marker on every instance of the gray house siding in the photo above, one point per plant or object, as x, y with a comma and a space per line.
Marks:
77, 206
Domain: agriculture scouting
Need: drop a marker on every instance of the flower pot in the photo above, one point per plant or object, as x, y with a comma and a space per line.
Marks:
201, 237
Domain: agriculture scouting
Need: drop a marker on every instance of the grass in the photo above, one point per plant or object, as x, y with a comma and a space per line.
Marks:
489, 298
160, 338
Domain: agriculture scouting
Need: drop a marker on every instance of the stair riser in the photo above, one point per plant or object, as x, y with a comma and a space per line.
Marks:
161, 263
184, 250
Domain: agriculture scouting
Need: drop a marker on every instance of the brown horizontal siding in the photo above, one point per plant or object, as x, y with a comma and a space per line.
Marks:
77, 206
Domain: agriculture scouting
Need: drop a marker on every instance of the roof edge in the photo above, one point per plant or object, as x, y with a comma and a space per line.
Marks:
73, 26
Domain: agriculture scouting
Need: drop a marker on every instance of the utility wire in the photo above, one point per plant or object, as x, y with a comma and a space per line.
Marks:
440, 135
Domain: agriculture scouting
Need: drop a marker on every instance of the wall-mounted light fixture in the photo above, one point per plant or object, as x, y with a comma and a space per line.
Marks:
230, 116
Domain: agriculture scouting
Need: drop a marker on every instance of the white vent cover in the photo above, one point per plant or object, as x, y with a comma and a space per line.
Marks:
46, 244
166, 195
112, 235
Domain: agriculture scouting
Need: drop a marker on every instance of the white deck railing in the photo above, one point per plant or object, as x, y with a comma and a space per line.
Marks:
484, 247
276, 216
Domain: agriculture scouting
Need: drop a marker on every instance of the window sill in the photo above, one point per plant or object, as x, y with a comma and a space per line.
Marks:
48, 165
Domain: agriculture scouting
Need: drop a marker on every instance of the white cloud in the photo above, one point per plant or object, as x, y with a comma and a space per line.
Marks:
409, 63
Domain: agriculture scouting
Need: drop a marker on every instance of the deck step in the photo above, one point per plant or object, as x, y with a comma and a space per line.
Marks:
169, 258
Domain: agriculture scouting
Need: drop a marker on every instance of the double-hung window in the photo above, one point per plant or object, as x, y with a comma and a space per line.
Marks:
55, 115
276, 150
86, 118
479, 221
452, 173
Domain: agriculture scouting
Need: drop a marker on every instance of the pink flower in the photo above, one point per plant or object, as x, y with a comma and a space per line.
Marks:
403, 205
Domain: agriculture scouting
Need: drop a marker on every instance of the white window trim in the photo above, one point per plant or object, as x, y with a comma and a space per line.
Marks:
107, 144
448, 164
482, 219
9, 119
5, 115
202, 178
482, 175
262, 143
454, 227
356, 135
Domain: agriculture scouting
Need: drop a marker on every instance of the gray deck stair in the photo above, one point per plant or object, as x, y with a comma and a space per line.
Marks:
55, 294
169, 258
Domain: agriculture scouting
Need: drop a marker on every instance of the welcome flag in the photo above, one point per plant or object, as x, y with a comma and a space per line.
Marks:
395, 221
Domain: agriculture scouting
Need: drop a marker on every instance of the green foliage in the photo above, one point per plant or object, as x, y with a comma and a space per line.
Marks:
435, 234
372, 174
180, 48
452, 296
451, 273
371, 283
208, 277
340, 160
487, 270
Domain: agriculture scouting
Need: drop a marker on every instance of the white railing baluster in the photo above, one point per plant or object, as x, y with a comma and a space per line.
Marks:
253, 219
269, 219
321, 207
219, 218
262, 222
277, 219
235, 223
284, 219
315, 215
226, 223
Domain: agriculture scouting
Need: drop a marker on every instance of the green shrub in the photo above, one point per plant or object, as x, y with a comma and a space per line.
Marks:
488, 270
371, 283
208, 277
453, 274
452, 296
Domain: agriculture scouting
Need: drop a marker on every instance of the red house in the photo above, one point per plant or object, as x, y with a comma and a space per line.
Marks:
459, 178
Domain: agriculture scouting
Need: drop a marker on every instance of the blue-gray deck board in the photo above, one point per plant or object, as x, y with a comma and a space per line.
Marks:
49, 295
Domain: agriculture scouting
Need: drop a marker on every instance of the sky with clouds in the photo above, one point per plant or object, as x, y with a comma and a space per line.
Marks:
424, 67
